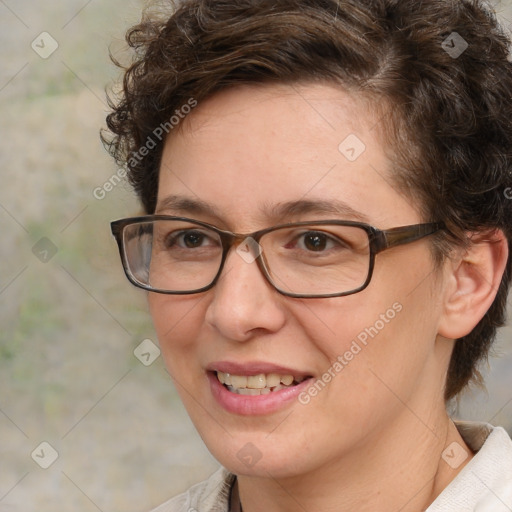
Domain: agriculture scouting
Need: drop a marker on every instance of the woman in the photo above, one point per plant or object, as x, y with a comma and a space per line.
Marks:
326, 245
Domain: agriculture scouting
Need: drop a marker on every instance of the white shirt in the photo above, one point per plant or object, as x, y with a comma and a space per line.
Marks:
483, 485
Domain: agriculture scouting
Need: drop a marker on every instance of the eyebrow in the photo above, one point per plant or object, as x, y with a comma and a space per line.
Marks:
276, 213
183, 204
303, 207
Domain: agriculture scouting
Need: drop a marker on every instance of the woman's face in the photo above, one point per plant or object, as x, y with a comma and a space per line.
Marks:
371, 360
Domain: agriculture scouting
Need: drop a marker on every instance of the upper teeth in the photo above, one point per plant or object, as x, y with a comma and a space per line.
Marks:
259, 381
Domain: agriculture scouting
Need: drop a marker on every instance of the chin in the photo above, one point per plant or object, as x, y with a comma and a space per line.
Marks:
258, 455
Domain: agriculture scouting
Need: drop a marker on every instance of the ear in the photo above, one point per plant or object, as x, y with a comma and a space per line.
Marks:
473, 281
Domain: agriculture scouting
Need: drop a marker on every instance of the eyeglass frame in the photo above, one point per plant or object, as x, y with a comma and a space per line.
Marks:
379, 241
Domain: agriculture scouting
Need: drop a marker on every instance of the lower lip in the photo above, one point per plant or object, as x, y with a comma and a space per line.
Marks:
248, 405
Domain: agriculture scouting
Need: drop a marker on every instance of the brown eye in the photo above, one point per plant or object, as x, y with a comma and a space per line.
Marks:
315, 241
193, 239
189, 239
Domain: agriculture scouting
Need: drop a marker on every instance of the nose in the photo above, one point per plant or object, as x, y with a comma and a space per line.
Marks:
244, 303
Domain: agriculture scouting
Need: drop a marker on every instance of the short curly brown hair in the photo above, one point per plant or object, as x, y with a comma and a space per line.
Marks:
440, 64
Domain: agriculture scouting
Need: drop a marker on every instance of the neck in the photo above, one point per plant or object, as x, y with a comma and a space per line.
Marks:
400, 469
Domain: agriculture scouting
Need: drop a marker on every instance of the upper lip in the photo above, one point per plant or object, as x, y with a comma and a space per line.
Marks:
254, 368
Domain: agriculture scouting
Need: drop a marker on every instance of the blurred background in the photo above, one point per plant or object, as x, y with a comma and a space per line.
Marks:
89, 419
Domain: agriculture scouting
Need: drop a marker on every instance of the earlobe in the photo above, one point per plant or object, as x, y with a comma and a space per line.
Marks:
474, 280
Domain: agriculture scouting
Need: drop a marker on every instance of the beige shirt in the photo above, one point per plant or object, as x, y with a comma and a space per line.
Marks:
483, 485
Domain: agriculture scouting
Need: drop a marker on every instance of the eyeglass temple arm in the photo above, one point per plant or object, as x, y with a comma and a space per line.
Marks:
405, 234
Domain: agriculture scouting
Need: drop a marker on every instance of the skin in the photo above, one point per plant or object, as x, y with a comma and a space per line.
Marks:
373, 438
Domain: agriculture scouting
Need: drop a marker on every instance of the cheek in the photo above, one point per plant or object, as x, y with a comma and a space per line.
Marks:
349, 325
378, 340
177, 321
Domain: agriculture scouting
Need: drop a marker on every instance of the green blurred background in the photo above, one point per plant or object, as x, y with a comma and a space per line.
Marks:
69, 321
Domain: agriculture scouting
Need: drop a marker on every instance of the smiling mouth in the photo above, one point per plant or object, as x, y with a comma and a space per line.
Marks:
254, 385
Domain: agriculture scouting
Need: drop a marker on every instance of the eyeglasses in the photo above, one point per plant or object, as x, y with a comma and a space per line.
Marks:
333, 258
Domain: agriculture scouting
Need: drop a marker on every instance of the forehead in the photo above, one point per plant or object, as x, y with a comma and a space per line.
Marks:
249, 149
